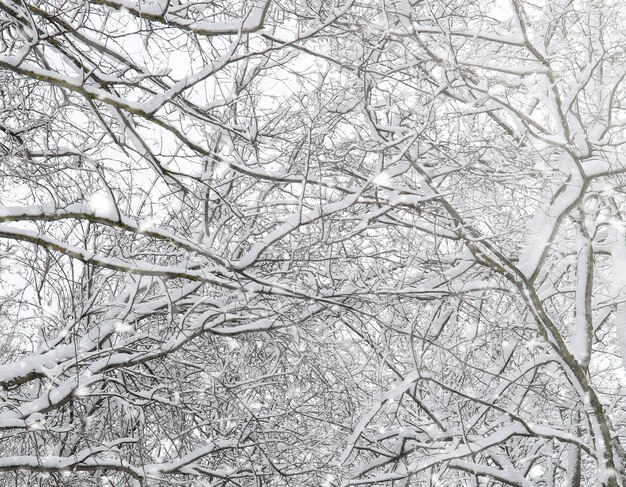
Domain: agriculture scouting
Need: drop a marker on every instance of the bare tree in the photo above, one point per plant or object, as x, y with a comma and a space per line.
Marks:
312, 243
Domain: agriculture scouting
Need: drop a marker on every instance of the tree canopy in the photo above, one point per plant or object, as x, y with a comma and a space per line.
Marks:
315, 243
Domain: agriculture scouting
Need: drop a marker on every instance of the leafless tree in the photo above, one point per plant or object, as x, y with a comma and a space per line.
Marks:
313, 243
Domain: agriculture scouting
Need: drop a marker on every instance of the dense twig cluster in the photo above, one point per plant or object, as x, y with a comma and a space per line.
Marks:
315, 243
